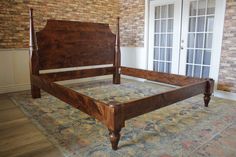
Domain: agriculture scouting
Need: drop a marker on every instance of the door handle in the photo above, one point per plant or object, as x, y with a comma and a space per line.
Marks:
182, 47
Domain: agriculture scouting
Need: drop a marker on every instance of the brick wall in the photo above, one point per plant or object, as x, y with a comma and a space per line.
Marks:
14, 25
14, 18
132, 22
227, 74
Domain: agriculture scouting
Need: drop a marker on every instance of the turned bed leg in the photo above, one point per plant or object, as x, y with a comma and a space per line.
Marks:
207, 98
114, 138
35, 92
208, 91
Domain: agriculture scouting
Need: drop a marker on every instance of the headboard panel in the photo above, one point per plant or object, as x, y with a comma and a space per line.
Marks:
63, 44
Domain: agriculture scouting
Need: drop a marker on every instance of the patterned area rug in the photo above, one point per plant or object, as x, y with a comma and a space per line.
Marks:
186, 128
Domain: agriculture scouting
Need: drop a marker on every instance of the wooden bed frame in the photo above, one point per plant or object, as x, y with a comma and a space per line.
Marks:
63, 44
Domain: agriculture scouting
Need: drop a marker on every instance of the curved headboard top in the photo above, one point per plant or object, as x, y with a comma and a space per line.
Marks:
63, 44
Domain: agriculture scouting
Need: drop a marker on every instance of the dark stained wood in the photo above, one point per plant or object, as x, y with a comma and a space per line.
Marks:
117, 61
208, 91
68, 75
145, 105
63, 44
75, 44
172, 79
106, 113
114, 138
34, 60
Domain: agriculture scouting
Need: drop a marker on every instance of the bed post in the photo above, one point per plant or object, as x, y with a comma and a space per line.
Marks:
115, 123
34, 61
208, 91
116, 75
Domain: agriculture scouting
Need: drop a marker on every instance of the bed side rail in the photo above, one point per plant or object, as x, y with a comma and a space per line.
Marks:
107, 114
172, 79
139, 107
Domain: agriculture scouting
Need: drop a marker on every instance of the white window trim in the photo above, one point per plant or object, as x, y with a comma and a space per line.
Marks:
217, 46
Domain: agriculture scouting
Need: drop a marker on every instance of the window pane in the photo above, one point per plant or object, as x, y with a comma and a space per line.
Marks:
197, 71
209, 23
193, 8
168, 67
191, 38
155, 66
200, 24
205, 72
189, 70
163, 25
170, 25
198, 57
171, 11
199, 40
156, 53
208, 40
207, 58
211, 7
162, 54
157, 26
164, 11
161, 66
157, 40
190, 56
168, 54
157, 12
192, 24
201, 7
163, 40
169, 40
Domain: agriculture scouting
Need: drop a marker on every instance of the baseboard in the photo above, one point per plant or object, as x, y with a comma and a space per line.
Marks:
14, 88
225, 95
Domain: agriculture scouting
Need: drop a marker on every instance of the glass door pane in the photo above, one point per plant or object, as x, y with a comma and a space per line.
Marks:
163, 38
200, 36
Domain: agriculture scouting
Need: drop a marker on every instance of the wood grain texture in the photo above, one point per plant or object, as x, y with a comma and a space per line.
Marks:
107, 114
63, 44
145, 105
19, 137
172, 79
75, 44
34, 58
117, 61
209, 89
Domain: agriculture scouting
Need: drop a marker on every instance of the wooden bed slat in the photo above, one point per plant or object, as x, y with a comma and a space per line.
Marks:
172, 79
68, 75
145, 105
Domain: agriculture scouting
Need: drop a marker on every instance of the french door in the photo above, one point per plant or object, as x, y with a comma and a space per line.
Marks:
183, 36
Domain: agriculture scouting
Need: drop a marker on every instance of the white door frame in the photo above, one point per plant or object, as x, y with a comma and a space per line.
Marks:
176, 32
216, 45
217, 39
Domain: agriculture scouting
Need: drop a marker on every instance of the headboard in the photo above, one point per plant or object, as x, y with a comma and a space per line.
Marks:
74, 44
63, 44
